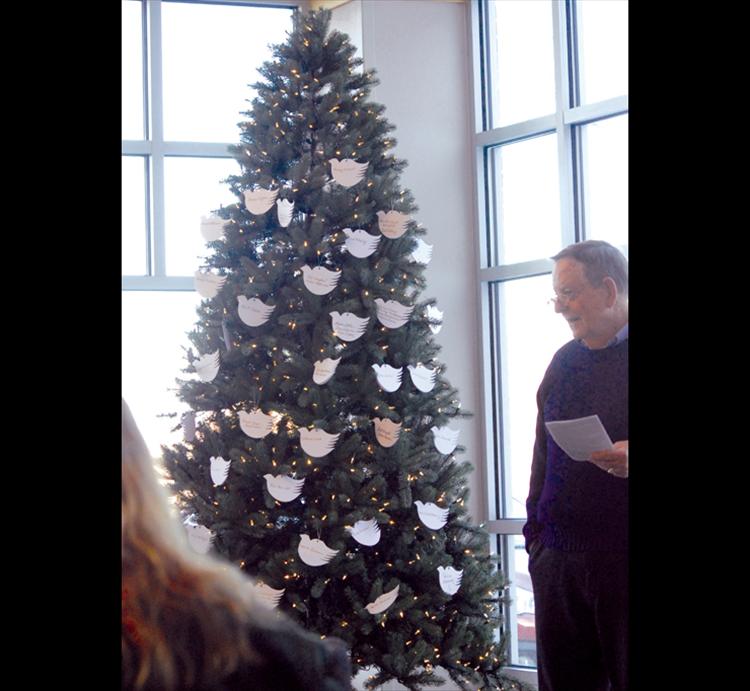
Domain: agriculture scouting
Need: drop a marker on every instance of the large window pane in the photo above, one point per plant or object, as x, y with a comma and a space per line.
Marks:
192, 188
602, 49
154, 329
523, 64
527, 200
209, 53
134, 237
530, 332
132, 71
605, 175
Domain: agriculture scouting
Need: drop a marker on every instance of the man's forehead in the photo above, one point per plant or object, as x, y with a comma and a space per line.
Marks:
568, 271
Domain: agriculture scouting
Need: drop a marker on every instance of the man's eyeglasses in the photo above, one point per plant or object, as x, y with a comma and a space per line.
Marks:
563, 298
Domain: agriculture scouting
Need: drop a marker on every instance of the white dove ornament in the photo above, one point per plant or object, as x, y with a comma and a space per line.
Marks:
450, 579
207, 366
392, 224
219, 469
199, 537
212, 227
324, 370
432, 515
422, 377
348, 326
365, 532
283, 487
386, 431
255, 424
347, 172
422, 252
253, 312
317, 442
383, 602
445, 438
319, 281
284, 210
360, 243
392, 314
267, 595
314, 552
389, 377
259, 201
207, 284
433, 312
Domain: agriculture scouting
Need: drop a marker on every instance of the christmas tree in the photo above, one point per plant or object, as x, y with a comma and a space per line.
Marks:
318, 453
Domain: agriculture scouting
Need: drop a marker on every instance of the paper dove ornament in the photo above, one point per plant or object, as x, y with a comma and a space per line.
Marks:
283, 487
365, 532
267, 595
314, 552
432, 515
219, 469
386, 431
450, 579
389, 377
317, 442
259, 201
348, 326
255, 424
422, 377
319, 280
207, 284
284, 210
253, 312
392, 314
207, 366
324, 370
199, 537
433, 312
383, 602
392, 224
360, 243
347, 172
445, 438
212, 227
188, 425
422, 252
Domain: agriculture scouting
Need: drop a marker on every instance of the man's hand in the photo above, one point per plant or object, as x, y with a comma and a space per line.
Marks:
614, 461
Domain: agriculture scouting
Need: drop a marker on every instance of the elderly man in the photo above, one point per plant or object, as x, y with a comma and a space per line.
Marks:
577, 528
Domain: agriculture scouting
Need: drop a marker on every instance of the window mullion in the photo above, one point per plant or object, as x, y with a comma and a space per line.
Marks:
569, 211
159, 267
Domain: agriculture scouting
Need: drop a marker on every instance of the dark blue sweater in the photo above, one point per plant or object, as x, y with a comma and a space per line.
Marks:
575, 506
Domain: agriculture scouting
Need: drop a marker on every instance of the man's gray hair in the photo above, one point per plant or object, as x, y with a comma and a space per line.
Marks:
599, 259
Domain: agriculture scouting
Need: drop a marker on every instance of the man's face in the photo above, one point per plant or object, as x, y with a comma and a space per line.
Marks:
582, 305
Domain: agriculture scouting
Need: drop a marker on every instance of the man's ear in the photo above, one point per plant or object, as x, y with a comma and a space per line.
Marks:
612, 291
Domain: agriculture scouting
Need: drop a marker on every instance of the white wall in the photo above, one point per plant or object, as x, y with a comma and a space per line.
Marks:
421, 53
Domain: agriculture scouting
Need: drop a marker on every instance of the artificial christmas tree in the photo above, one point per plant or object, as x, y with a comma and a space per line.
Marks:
318, 454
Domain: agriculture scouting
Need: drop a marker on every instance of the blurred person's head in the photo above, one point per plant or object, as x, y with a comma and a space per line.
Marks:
184, 615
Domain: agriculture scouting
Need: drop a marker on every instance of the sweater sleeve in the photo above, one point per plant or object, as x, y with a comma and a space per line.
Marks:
532, 528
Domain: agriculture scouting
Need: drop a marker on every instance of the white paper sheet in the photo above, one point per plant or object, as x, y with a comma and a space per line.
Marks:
579, 438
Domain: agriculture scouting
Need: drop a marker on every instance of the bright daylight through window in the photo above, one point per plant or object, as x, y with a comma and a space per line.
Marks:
185, 68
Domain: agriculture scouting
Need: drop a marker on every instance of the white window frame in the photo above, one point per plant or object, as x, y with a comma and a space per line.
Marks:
154, 149
564, 122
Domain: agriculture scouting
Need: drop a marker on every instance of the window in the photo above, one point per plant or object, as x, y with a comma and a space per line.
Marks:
186, 67
551, 104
